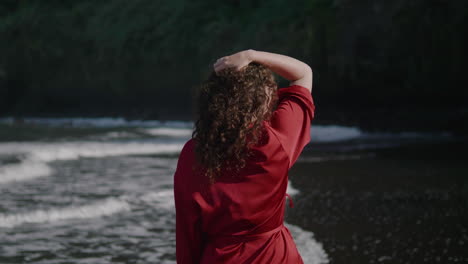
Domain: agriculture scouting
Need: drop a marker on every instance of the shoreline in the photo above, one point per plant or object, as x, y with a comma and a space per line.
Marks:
368, 119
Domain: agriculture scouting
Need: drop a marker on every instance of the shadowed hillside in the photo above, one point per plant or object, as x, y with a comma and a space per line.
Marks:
394, 64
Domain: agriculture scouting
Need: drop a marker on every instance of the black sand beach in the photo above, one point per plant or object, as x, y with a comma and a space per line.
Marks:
404, 204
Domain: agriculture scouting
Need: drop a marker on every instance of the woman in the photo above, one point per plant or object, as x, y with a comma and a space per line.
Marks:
231, 178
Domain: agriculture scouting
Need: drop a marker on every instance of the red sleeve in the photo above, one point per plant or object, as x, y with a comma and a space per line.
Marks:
292, 119
189, 243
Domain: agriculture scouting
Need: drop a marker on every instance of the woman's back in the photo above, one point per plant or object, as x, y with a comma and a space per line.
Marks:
239, 217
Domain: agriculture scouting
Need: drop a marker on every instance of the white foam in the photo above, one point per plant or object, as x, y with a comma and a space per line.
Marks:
115, 135
95, 122
70, 151
291, 190
23, 171
335, 133
97, 209
330, 133
39, 154
167, 131
67, 151
319, 133
311, 251
162, 199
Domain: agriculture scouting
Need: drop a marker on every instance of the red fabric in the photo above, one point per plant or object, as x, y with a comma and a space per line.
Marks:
239, 218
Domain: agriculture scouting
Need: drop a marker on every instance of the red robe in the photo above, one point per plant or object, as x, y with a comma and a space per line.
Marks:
240, 219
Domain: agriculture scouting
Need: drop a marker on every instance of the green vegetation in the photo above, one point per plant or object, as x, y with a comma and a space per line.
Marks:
144, 58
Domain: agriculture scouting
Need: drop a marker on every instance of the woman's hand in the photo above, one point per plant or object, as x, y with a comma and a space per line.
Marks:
237, 60
293, 70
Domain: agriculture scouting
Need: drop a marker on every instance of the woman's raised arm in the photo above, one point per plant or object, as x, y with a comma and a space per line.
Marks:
293, 70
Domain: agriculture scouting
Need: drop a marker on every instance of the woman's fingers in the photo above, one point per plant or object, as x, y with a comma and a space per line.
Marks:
220, 60
236, 61
217, 69
218, 63
218, 66
221, 64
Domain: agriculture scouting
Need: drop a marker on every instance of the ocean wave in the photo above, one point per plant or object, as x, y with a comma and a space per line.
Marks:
330, 133
114, 135
168, 131
163, 199
24, 171
319, 133
37, 155
336, 133
68, 151
104, 122
96, 209
291, 190
311, 251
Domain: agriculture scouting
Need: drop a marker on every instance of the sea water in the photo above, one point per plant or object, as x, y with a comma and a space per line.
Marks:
106, 195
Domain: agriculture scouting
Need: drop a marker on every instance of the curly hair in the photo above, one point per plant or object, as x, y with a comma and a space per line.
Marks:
232, 106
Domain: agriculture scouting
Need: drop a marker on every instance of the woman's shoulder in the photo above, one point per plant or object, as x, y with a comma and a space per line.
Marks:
188, 146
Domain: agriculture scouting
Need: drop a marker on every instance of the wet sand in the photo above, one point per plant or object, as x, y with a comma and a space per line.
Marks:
406, 204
